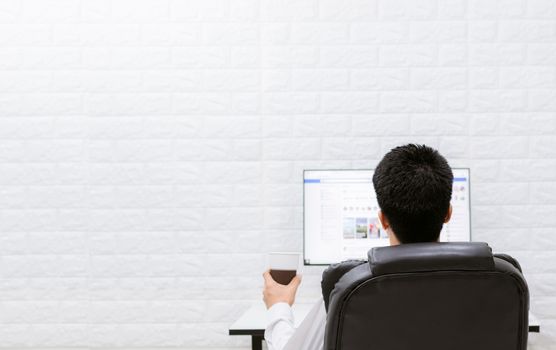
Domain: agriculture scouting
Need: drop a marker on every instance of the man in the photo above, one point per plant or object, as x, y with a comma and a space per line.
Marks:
413, 185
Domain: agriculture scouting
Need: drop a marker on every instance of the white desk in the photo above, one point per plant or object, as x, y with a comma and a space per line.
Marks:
254, 320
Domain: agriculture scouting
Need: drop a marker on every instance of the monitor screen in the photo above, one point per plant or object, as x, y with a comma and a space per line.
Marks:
340, 215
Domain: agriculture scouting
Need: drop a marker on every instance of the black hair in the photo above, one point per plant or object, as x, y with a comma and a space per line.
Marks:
413, 185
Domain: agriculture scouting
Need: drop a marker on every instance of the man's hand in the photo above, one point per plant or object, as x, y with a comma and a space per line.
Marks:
275, 292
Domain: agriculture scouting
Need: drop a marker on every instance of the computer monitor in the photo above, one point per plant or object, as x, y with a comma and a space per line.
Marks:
340, 215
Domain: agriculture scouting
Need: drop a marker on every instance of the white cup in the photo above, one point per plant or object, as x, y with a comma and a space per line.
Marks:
283, 266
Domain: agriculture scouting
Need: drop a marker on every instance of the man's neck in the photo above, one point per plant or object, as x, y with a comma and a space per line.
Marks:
392, 237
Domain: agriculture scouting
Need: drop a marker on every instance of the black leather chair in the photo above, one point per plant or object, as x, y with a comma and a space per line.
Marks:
427, 296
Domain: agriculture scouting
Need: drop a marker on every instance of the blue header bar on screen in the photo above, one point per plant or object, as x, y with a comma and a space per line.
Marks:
311, 181
317, 181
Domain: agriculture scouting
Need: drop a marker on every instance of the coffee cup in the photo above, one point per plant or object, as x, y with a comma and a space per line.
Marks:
283, 266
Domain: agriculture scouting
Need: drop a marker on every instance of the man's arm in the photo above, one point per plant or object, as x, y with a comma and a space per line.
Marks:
280, 327
278, 299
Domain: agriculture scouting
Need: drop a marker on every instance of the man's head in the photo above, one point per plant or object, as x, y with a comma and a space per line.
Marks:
413, 185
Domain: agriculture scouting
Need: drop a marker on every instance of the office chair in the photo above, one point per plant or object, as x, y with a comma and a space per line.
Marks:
427, 296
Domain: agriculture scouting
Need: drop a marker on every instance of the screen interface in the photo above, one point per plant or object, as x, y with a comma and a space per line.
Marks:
341, 215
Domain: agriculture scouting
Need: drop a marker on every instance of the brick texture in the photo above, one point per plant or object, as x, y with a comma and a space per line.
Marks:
151, 151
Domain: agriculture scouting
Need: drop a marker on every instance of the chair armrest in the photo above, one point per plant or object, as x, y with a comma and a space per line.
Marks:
332, 275
509, 259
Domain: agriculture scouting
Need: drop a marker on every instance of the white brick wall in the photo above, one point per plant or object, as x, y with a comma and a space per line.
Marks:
151, 150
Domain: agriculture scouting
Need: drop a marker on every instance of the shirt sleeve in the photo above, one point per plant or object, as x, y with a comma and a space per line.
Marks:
281, 334
280, 326
310, 333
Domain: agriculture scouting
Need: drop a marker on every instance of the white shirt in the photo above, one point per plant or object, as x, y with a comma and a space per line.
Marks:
280, 333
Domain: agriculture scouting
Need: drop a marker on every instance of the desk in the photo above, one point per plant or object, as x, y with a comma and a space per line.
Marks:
253, 322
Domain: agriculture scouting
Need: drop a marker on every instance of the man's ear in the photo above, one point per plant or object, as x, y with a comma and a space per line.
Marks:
383, 220
386, 226
448, 214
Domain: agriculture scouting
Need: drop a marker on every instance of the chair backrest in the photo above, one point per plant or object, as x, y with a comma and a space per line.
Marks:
432, 296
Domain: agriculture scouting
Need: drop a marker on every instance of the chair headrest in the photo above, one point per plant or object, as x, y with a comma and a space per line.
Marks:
427, 257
